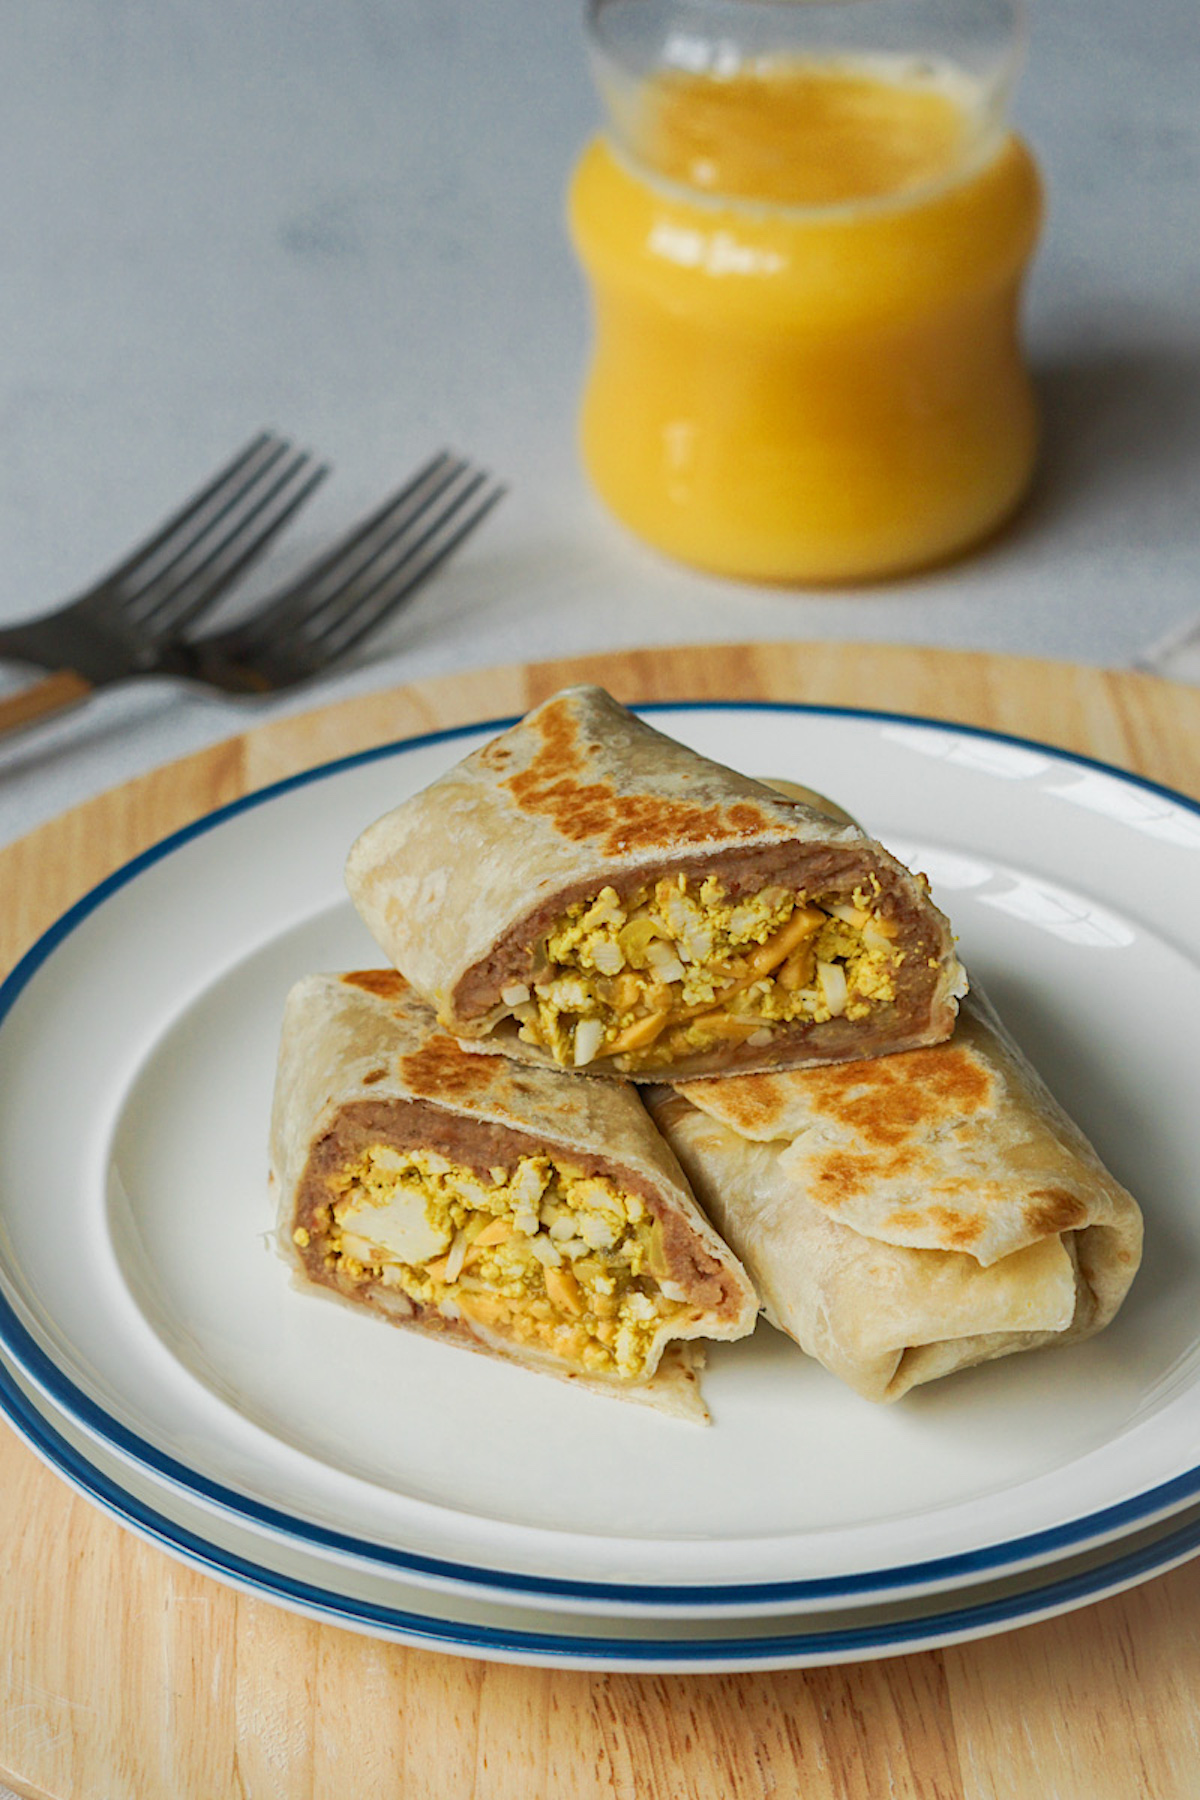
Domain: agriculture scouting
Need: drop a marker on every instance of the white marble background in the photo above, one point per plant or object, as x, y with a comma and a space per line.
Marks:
343, 218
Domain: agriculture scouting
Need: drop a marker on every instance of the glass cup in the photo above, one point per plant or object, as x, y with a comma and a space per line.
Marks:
805, 229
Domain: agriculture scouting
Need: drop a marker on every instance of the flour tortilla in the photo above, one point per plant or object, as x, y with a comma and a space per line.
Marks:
912, 1215
362, 1061
460, 884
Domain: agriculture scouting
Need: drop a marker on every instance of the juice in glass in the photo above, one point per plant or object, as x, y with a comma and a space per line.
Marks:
805, 271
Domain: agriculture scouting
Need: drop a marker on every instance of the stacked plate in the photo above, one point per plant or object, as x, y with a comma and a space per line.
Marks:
152, 1351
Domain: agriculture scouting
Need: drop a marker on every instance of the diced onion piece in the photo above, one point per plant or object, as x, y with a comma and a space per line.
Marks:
681, 915
546, 1252
598, 1233
568, 994
516, 995
386, 1158
589, 1035
850, 915
457, 1257
361, 1249
831, 978
608, 957
528, 1184
759, 1038
664, 962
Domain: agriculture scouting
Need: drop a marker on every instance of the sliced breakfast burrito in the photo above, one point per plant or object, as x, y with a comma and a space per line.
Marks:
912, 1215
586, 892
507, 1209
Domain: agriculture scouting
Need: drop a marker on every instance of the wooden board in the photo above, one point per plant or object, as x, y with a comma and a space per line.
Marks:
124, 1676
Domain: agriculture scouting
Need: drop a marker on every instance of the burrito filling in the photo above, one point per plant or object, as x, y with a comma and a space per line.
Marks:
539, 1253
679, 967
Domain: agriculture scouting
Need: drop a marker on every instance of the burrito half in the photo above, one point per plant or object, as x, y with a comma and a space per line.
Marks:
512, 1210
913, 1215
584, 891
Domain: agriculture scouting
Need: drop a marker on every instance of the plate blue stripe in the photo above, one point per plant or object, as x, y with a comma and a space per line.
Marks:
340, 1609
44, 1373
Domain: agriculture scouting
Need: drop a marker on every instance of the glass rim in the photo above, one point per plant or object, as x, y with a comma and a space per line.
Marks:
1015, 10
633, 43
1008, 20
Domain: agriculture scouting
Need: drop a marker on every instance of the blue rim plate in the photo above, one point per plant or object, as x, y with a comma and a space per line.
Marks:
496, 1635
1065, 878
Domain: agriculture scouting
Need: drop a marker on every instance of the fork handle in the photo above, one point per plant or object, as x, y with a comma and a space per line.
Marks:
50, 695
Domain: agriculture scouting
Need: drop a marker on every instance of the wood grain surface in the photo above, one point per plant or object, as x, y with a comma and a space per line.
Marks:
124, 1676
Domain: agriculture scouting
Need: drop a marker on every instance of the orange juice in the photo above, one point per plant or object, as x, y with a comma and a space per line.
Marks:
805, 282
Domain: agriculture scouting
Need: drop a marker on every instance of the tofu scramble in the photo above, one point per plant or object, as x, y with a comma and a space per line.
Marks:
678, 967
559, 1261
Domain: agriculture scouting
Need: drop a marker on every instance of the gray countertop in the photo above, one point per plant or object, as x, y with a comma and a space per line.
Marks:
346, 221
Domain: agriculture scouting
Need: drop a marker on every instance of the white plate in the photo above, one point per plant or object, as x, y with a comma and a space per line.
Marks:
379, 1603
138, 1289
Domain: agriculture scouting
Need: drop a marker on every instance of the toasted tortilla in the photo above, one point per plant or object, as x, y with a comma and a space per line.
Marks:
461, 884
912, 1215
363, 1064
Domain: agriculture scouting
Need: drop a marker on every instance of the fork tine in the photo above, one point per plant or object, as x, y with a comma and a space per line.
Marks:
294, 605
266, 445
175, 596
299, 633
452, 489
212, 523
368, 609
355, 549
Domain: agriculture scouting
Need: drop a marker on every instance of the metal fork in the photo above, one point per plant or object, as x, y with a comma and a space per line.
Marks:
120, 625
332, 605
335, 603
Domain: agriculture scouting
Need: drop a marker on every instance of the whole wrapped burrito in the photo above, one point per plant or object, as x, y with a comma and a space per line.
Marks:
584, 891
913, 1215
511, 1210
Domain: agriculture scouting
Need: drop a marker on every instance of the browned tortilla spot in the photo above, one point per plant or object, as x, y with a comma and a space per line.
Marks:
955, 1230
440, 1069
1054, 1209
389, 984
594, 812
841, 1175
893, 1098
890, 1105
752, 1103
